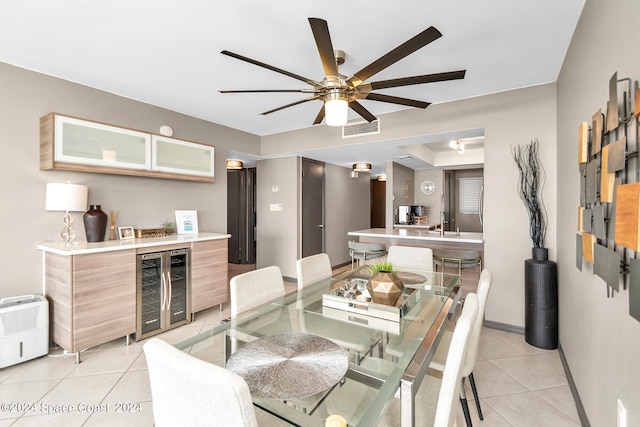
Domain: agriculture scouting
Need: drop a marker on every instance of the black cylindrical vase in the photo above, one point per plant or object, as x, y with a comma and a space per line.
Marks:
541, 300
95, 223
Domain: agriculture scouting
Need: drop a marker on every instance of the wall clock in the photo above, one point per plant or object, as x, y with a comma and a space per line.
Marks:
427, 187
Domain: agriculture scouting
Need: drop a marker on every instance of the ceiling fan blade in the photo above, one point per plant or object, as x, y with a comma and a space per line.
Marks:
265, 91
416, 80
405, 49
270, 67
290, 105
358, 108
320, 116
320, 31
397, 100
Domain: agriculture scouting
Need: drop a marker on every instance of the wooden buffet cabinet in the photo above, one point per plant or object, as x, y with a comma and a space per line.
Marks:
91, 287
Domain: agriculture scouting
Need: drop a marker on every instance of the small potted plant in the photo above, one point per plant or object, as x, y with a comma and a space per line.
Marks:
384, 286
169, 227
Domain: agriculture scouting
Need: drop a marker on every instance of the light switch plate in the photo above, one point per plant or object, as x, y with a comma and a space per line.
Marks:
275, 207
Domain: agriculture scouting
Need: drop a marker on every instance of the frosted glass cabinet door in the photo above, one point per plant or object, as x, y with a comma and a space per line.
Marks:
85, 142
176, 156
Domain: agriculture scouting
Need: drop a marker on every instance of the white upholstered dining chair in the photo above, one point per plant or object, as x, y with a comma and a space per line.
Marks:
484, 285
410, 257
189, 391
312, 269
254, 288
452, 375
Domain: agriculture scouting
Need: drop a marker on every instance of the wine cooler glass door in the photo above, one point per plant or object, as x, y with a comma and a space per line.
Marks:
178, 287
150, 293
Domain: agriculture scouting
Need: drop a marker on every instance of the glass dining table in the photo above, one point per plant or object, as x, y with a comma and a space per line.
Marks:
388, 348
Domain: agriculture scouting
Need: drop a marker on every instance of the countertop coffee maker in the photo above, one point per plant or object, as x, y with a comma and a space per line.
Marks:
407, 214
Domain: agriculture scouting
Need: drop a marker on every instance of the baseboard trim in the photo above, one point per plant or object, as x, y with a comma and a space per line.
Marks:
584, 420
504, 327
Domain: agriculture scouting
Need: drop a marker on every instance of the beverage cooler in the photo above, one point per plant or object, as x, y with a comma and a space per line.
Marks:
162, 291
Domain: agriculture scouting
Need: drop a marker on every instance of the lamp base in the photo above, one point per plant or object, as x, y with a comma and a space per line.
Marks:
68, 233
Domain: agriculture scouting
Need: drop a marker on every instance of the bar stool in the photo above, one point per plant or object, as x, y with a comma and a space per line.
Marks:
456, 258
364, 251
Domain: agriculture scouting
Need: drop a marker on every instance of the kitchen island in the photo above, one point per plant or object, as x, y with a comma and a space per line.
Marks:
422, 238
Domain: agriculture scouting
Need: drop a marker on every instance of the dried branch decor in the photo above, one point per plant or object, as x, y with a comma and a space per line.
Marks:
530, 187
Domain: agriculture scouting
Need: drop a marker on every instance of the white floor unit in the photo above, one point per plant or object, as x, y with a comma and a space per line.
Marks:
24, 329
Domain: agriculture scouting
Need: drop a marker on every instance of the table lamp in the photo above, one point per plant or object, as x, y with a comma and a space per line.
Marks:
67, 198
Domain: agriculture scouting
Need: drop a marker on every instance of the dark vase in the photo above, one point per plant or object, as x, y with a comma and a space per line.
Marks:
541, 300
95, 223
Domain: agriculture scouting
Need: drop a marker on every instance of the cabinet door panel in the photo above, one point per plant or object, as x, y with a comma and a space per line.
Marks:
104, 297
175, 156
209, 274
85, 142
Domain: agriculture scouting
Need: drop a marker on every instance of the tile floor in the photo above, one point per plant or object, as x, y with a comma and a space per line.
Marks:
519, 385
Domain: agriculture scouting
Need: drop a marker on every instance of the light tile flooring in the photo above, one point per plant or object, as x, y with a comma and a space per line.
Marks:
519, 385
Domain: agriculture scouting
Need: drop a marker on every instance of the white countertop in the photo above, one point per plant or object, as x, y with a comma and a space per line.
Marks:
80, 248
420, 234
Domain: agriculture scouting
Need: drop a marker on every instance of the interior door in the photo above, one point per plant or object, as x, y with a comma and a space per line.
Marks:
312, 207
378, 203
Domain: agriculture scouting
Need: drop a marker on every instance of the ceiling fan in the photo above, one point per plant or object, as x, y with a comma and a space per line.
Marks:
339, 92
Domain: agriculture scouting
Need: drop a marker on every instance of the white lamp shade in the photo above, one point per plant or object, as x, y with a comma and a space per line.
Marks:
66, 197
336, 112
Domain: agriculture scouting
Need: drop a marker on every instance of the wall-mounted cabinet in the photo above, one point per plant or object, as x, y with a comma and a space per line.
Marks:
69, 143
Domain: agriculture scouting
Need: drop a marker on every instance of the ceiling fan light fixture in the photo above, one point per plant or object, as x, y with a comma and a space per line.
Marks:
336, 107
234, 164
362, 167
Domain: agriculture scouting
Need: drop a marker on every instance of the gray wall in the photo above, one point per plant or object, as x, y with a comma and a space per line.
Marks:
400, 182
431, 201
347, 208
277, 240
277, 233
599, 338
141, 202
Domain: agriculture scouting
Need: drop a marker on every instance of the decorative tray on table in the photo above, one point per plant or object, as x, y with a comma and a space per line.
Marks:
352, 295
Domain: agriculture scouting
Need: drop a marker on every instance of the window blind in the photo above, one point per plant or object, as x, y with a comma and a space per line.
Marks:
469, 195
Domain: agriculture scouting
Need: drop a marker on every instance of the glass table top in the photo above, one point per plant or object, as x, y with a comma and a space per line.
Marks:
381, 352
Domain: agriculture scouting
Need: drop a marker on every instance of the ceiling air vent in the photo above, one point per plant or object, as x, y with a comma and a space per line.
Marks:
361, 128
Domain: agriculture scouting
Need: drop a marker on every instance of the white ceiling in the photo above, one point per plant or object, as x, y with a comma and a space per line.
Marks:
167, 52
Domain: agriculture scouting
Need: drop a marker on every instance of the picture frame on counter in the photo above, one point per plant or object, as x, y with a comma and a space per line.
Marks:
187, 222
126, 233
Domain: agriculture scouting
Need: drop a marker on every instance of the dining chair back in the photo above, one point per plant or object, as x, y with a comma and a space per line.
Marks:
452, 375
484, 285
312, 269
411, 257
190, 391
254, 288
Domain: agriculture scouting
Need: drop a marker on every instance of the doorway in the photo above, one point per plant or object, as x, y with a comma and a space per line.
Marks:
312, 207
241, 215
378, 203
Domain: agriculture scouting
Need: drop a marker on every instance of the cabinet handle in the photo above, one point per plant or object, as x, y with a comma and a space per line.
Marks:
170, 291
164, 293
